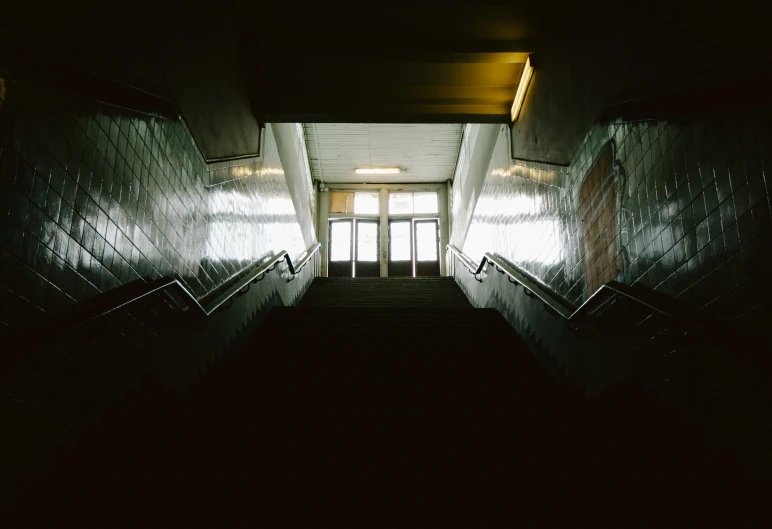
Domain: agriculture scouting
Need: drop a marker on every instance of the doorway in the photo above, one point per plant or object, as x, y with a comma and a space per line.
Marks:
400, 248
414, 248
354, 248
394, 214
427, 241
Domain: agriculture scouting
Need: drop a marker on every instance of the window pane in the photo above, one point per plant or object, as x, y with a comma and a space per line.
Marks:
426, 241
366, 203
400, 203
341, 202
367, 241
425, 202
399, 249
340, 246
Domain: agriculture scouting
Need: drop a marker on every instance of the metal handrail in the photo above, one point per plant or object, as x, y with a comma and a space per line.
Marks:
205, 308
303, 260
552, 301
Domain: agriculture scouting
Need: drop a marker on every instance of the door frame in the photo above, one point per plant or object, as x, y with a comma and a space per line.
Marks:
413, 219
415, 222
355, 241
323, 198
352, 240
411, 231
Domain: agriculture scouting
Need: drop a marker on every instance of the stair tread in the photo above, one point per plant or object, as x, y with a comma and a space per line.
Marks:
430, 292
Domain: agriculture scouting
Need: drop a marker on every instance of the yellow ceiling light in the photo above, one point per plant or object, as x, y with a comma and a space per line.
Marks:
525, 78
378, 170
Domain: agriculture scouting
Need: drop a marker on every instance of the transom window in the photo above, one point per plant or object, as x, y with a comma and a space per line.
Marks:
424, 202
359, 203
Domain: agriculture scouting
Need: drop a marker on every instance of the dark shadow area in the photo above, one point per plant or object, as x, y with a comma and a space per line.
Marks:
386, 416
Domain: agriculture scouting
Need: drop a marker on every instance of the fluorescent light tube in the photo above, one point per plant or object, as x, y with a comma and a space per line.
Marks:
378, 170
525, 78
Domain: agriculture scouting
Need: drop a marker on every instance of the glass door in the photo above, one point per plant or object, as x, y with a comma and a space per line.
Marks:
341, 263
367, 262
400, 248
354, 249
427, 241
414, 248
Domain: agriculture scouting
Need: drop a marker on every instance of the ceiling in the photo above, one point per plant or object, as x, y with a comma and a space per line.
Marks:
423, 152
227, 66
409, 64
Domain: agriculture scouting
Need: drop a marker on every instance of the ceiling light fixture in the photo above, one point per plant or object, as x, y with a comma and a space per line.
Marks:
525, 78
378, 170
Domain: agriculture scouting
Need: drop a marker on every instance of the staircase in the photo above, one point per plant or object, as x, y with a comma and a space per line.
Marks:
379, 403
386, 398
385, 292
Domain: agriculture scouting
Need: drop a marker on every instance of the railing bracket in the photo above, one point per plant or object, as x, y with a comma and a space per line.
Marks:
228, 304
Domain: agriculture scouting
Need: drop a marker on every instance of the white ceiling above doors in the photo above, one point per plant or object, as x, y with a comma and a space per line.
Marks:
424, 153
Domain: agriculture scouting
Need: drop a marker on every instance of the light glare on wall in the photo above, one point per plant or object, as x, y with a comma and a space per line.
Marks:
378, 170
525, 78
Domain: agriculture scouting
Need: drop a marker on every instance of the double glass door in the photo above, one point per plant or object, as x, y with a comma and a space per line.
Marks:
414, 248
354, 249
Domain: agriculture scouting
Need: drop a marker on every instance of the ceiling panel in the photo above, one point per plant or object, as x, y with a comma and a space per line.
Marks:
423, 152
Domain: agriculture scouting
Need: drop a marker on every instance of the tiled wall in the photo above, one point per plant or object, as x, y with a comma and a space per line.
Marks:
693, 217
94, 196
693, 222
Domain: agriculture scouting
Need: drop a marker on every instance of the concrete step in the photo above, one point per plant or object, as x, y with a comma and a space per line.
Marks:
434, 292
